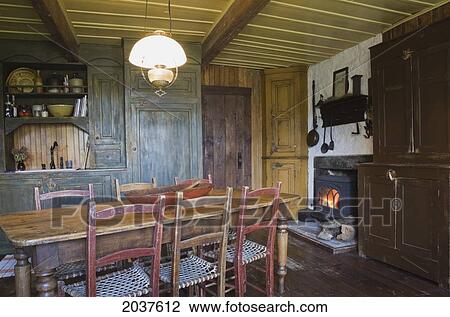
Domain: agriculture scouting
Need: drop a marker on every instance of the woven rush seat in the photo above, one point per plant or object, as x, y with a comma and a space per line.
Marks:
193, 271
132, 282
252, 251
77, 269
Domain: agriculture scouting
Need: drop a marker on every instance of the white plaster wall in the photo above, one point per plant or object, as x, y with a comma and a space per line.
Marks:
357, 59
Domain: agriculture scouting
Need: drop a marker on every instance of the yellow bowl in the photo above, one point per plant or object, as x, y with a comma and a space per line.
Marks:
60, 110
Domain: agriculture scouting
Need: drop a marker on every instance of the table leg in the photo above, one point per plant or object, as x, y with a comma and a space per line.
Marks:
22, 271
282, 245
46, 283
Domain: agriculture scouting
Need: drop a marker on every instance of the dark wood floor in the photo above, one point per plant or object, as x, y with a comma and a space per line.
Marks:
313, 271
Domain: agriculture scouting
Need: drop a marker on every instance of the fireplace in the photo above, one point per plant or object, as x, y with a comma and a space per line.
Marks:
335, 194
335, 187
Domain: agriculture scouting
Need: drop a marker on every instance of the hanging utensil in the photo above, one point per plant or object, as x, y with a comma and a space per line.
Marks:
313, 136
324, 147
331, 145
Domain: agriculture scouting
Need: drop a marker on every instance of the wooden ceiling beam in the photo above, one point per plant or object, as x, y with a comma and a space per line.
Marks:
55, 18
235, 18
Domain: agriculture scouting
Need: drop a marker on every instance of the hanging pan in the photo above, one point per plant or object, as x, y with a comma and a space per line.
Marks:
313, 136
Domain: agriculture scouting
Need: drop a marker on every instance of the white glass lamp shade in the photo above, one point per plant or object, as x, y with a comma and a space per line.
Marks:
157, 49
160, 77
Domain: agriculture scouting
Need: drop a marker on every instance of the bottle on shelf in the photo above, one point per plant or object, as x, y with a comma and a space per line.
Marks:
38, 82
8, 108
15, 112
66, 84
44, 112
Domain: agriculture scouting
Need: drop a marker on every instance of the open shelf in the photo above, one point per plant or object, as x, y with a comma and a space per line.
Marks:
12, 124
9, 90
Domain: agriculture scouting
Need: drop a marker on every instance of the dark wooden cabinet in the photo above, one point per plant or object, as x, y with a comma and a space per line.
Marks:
405, 218
405, 211
411, 97
107, 117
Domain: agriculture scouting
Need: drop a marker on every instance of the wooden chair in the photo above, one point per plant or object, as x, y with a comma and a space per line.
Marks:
192, 270
133, 186
191, 181
132, 281
76, 269
244, 251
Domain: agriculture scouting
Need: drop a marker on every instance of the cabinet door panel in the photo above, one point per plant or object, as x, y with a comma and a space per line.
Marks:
417, 221
108, 118
283, 124
379, 217
292, 174
432, 101
393, 109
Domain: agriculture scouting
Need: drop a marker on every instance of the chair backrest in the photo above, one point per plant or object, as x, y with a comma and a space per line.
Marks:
133, 186
39, 198
262, 224
216, 235
154, 251
191, 181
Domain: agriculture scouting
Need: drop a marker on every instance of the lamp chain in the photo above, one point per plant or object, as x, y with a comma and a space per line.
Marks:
170, 17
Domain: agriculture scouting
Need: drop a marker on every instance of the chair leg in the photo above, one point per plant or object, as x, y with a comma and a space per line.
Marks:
61, 293
239, 272
269, 275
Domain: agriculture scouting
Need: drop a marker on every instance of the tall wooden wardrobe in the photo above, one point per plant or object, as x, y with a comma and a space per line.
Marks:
405, 214
286, 153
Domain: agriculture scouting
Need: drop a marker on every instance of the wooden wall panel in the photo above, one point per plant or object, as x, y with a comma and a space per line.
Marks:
414, 24
39, 138
215, 75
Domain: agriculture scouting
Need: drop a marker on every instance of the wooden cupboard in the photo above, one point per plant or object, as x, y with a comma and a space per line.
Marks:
285, 129
411, 97
404, 218
405, 211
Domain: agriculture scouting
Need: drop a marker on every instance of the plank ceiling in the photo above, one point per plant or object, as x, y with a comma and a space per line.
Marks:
284, 33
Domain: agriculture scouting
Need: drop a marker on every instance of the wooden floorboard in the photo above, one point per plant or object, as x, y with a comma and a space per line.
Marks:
313, 271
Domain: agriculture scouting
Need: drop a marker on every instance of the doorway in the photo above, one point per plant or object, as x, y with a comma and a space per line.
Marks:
226, 113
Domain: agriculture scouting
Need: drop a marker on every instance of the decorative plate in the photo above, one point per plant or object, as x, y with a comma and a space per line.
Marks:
21, 77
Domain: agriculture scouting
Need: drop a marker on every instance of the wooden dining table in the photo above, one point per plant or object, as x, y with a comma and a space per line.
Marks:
52, 237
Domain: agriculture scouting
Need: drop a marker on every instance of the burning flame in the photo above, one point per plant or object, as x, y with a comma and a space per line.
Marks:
330, 199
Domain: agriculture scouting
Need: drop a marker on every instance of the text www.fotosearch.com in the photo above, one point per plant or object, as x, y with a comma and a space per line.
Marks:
224, 307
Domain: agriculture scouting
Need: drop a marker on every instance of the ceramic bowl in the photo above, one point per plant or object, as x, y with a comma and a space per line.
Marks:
60, 110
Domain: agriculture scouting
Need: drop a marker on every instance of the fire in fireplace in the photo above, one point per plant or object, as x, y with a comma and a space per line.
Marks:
330, 198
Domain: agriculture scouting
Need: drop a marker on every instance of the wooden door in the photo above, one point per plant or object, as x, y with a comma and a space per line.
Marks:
163, 141
417, 225
282, 114
227, 135
432, 102
392, 106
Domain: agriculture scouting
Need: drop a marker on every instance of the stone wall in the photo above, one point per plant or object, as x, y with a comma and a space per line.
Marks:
357, 59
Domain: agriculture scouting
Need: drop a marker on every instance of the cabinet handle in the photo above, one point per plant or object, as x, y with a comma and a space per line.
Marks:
392, 175
239, 160
51, 185
277, 165
134, 148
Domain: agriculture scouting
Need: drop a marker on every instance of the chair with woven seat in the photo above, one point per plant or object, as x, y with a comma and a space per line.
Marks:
131, 281
132, 186
191, 181
245, 251
193, 270
76, 269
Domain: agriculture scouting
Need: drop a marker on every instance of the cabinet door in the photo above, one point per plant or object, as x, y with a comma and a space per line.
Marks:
418, 225
107, 117
432, 102
165, 141
291, 173
378, 213
282, 114
392, 107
